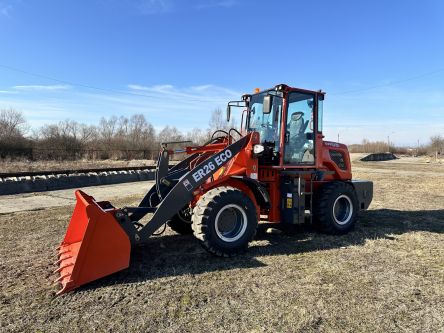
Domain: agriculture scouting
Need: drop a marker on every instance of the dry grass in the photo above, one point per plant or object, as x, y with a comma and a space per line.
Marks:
385, 276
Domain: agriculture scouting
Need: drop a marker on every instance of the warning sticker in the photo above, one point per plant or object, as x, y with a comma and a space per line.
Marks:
187, 185
289, 203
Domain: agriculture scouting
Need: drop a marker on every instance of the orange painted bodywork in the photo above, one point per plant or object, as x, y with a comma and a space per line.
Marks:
243, 164
94, 245
246, 164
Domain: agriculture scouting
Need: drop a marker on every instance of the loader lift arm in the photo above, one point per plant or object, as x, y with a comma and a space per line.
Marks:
173, 197
99, 236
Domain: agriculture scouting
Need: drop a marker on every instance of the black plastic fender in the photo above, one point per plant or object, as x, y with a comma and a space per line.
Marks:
260, 192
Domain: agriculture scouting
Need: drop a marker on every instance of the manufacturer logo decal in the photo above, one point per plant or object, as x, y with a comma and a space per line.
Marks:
332, 144
187, 185
207, 168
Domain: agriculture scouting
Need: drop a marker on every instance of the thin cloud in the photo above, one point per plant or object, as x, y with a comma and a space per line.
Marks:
151, 7
216, 4
42, 87
193, 94
5, 10
163, 104
156, 88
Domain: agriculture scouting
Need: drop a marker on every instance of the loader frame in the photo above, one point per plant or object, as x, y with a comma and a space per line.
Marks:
100, 236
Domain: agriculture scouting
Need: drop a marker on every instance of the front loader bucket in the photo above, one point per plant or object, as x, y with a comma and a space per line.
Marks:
95, 245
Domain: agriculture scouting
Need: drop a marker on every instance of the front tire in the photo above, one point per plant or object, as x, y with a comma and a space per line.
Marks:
335, 208
224, 221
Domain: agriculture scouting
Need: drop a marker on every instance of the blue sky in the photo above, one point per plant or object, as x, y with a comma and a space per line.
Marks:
380, 62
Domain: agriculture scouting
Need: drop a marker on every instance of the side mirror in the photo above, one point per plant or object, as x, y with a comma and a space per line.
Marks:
268, 99
236, 104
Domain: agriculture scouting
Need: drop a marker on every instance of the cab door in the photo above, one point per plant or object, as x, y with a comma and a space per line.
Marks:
299, 136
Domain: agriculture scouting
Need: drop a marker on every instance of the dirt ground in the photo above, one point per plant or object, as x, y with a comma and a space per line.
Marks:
385, 276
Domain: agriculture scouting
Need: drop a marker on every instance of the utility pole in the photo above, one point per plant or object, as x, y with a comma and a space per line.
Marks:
338, 137
388, 140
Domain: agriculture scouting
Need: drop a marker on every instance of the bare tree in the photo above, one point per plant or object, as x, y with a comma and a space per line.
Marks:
12, 124
141, 132
197, 136
87, 133
122, 127
218, 121
60, 141
13, 127
436, 145
108, 128
170, 134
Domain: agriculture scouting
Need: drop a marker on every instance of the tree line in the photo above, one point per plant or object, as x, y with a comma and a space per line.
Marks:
133, 137
121, 137
434, 147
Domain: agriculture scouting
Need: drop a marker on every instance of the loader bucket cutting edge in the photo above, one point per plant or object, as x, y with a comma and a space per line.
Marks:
95, 245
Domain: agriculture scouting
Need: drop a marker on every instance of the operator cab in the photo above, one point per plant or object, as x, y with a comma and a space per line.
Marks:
287, 120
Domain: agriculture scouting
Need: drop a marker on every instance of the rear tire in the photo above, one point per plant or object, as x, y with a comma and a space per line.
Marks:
181, 222
335, 207
224, 221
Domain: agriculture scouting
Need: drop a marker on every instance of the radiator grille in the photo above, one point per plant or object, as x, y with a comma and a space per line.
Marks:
338, 158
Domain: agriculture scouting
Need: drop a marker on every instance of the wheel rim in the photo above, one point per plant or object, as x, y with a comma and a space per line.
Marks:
342, 209
230, 223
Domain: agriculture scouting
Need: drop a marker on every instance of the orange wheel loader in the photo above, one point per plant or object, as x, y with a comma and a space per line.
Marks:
276, 168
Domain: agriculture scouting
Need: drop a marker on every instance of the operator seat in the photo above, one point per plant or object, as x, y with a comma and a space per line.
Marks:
294, 148
265, 131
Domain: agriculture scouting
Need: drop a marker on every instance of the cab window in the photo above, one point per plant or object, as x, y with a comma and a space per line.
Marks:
268, 125
320, 112
299, 143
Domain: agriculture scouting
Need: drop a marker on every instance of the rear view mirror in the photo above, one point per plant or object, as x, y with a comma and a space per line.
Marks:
268, 99
236, 104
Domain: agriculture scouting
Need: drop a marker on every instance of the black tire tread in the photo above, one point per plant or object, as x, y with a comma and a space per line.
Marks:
321, 210
200, 220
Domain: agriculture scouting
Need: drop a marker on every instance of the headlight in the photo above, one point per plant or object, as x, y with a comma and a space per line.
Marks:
257, 149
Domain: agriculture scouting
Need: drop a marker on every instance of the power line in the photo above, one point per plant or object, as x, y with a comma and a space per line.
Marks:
59, 80
203, 100
390, 83
46, 77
